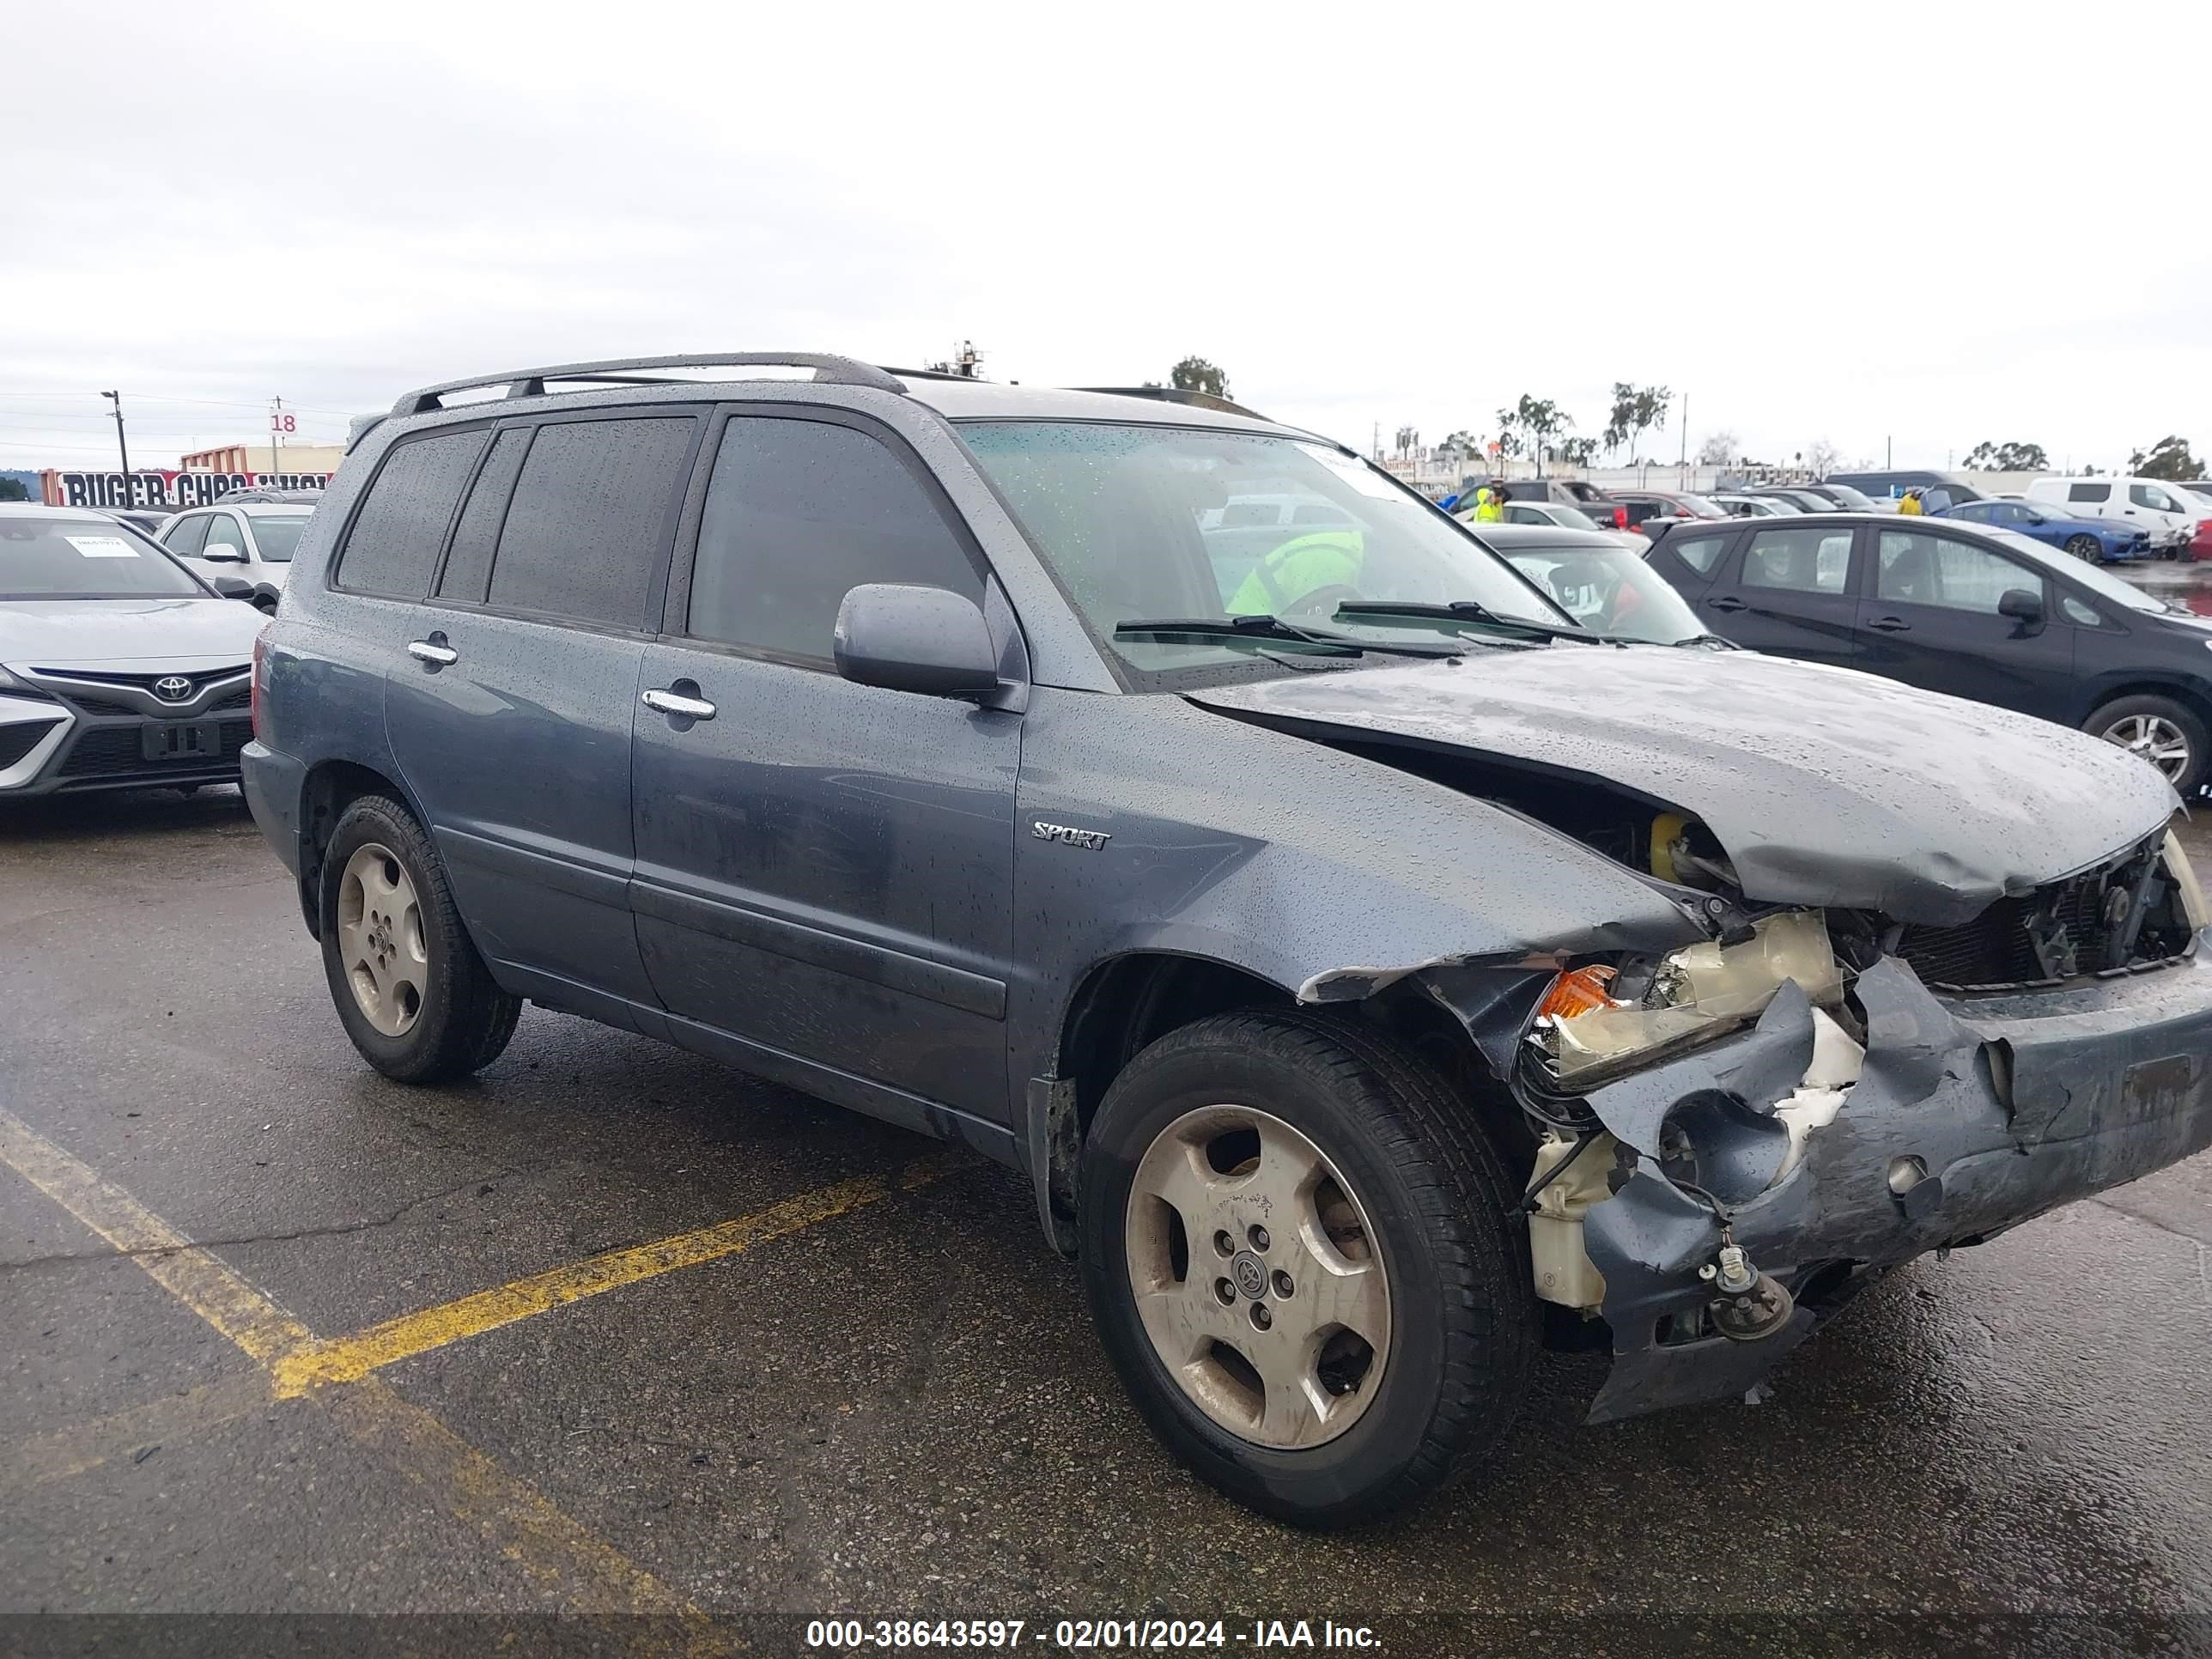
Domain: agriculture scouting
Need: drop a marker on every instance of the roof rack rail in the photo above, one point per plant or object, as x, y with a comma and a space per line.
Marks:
828, 366
934, 375
1175, 394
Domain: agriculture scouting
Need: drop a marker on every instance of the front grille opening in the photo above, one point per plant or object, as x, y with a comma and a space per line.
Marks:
2073, 929
19, 740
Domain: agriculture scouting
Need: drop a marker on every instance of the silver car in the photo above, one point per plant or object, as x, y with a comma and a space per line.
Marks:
119, 669
251, 540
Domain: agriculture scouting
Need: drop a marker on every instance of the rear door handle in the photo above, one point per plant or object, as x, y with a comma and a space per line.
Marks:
1890, 625
1728, 602
669, 701
434, 650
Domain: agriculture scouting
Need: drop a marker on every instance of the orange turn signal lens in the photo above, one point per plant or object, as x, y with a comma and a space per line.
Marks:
1578, 991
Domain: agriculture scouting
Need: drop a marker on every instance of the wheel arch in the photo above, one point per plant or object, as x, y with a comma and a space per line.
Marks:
2197, 698
326, 790
1125, 1002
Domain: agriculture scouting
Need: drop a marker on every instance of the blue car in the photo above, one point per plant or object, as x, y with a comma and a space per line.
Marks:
2094, 541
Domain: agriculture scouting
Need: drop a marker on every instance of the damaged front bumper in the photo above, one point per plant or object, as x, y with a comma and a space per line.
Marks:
1968, 1117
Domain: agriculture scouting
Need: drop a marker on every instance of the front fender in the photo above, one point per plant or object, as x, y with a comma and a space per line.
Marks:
1319, 872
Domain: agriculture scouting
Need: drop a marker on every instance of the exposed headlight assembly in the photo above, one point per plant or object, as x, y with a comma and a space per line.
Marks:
1599, 1018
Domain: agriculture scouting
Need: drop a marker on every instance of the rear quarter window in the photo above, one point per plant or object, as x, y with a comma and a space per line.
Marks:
2088, 492
1700, 553
395, 536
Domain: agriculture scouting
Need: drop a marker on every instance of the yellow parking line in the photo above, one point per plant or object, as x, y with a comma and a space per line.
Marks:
161, 1422
218, 1293
347, 1358
579, 1571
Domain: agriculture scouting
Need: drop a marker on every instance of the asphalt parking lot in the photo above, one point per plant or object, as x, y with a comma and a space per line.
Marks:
613, 1331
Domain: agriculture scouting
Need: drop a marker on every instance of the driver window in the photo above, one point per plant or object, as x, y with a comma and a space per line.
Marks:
1916, 569
223, 532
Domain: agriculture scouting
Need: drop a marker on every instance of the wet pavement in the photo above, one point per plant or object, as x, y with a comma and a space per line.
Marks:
880, 1396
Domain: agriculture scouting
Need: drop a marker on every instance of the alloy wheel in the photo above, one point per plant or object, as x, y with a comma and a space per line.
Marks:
2157, 740
1257, 1278
2084, 548
380, 941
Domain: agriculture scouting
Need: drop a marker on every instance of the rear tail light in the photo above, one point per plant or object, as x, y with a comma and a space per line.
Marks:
260, 673
1620, 517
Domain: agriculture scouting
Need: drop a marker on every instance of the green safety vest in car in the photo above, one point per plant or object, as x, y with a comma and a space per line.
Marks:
1302, 565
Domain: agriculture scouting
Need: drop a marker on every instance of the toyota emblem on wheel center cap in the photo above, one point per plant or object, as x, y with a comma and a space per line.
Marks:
173, 688
1251, 1275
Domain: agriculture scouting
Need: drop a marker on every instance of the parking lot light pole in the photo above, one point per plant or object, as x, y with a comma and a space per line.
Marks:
116, 398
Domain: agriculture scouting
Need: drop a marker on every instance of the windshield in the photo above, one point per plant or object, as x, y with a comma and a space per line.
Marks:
1698, 507
2093, 577
1568, 518
1132, 521
85, 559
1855, 500
276, 534
1609, 588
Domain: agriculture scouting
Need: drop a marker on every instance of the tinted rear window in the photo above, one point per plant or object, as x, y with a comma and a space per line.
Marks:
393, 545
590, 514
2088, 492
468, 567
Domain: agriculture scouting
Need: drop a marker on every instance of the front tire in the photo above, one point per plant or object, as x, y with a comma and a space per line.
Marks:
2085, 548
1298, 1246
410, 988
2166, 734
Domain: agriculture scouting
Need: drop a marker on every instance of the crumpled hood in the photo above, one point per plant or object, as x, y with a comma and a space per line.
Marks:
1826, 786
118, 635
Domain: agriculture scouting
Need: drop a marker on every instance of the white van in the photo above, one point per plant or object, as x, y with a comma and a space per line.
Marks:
2167, 511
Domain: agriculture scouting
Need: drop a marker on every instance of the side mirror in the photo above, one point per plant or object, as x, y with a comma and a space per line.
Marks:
224, 554
909, 638
232, 587
2021, 604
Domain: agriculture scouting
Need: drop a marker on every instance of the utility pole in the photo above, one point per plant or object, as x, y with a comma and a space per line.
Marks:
116, 398
276, 436
1682, 465
1886, 457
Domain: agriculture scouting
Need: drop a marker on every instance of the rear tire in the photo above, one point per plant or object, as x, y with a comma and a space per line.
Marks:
2085, 548
409, 986
2166, 734
1334, 1159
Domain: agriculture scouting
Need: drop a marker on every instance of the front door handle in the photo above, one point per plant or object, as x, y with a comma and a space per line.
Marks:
669, 701
434, 650
1890, 625
1728, 602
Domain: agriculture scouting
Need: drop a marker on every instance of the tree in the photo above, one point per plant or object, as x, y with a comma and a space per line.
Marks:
1456, 446
1539, 417
1718, 450
11, 490
1636, 410
1579, 452
2169, 459
1196, 374
2007, 458
1652, 403
1820, 456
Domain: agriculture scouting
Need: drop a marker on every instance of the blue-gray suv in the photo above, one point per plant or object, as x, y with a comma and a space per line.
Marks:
1375, 971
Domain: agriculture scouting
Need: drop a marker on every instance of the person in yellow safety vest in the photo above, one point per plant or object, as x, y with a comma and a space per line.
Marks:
1489, 506
1911, 502
1301, 567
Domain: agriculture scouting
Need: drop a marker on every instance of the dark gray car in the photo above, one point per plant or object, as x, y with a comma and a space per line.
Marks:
1357, 953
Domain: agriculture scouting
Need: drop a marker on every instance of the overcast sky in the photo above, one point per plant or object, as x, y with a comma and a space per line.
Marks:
1932, 225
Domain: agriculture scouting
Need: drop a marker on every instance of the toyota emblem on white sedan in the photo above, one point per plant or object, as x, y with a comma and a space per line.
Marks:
173, 688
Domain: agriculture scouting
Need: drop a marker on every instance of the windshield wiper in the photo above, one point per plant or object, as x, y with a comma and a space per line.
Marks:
1466, 613
1262, 628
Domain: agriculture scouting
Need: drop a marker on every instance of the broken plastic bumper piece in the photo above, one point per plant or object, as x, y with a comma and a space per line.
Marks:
1967, 1116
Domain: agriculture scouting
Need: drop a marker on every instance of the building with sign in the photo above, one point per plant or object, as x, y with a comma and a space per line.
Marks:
260, 457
